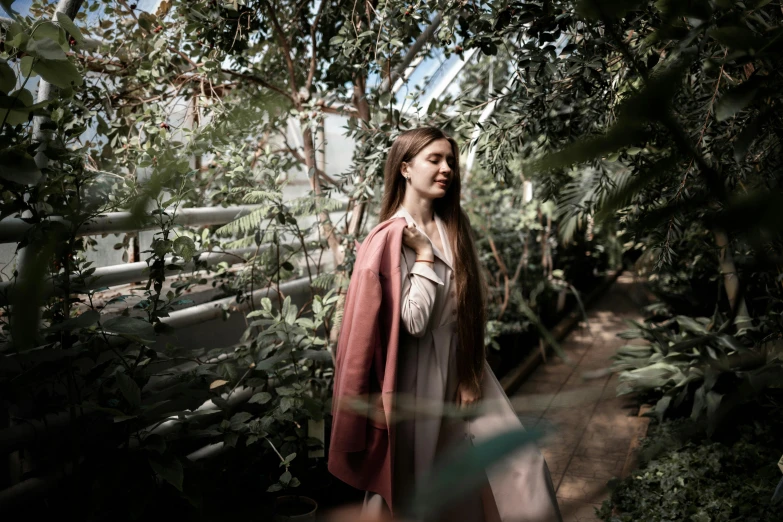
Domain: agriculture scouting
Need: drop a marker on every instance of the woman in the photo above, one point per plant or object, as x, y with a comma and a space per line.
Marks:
413, 330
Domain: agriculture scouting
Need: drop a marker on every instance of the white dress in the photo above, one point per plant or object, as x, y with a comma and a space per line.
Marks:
427, 375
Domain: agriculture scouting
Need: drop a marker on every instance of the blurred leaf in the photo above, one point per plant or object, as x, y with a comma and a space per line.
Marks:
736, 99
317, 355
184, 247
47, 49
129, 389
623, 195
61, 73
19, 100
462, 471
754, 213
599, 9
6, 4
67, 24
688, 324
260, 398
736, 37
131, 326
661, 406
88, 318
168, 468
7, 77
19, 167
239, 419
586, 149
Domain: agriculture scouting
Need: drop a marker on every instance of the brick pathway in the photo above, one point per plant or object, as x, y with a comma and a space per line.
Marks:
591, 428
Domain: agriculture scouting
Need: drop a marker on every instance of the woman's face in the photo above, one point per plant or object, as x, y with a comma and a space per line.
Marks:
431, 170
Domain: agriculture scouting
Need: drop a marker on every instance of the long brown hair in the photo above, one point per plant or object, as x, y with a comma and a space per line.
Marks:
471, 309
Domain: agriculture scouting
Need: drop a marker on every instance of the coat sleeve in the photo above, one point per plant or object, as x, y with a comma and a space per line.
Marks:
358, 341
419, 287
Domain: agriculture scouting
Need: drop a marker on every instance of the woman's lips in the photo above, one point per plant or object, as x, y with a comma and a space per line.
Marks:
442, 183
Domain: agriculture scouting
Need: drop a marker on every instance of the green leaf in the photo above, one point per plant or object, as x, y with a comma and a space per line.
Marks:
239, 419
688, 324
88, 318
661, 406
67, 24
168, 468
7, 77
26, 66
131, 326
260, 398
736, 99
286, 403
184, 247
462, 472
129, 389
46, 48
290, 315
19, 167
61, 73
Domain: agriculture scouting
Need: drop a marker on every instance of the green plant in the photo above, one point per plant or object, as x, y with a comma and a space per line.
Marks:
701, 480
693, 363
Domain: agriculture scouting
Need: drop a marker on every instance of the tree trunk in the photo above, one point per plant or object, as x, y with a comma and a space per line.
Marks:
327, 229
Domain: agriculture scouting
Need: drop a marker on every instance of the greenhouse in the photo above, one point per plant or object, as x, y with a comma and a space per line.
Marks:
391, 261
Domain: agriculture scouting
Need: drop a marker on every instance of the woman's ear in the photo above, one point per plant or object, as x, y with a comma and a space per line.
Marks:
404, 169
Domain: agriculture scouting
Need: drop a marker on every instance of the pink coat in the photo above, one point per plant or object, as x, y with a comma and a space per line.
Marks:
361, 447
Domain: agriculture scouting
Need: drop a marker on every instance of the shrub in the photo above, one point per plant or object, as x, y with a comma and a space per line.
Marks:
698, 480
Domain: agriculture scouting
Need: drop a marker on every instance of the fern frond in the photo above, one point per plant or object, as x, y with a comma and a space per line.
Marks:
308, 205
244, 224
260, 196
324, 281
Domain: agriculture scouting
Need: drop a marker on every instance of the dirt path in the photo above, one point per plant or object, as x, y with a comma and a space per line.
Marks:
592, 429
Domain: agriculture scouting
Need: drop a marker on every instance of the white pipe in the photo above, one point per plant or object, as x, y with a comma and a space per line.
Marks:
485, 114
449, 77
128, 273
214, 309
12, 230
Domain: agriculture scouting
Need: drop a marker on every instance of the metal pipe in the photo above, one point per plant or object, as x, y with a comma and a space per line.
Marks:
128, 273
449, 77
214, 309
12, 230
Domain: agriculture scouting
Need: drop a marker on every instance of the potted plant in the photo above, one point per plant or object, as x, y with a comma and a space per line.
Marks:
291, 507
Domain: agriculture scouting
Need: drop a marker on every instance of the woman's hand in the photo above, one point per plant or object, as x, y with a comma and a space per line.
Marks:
467, 395
413, 238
